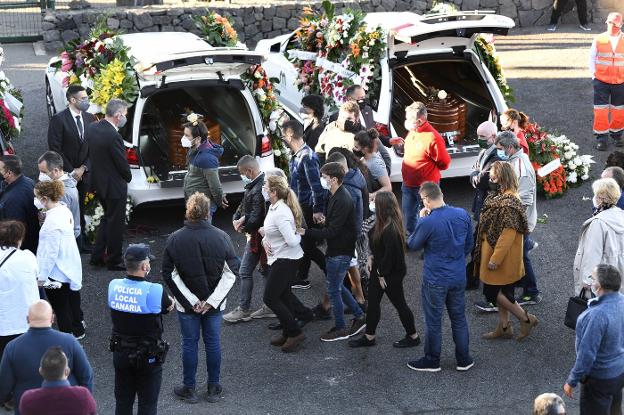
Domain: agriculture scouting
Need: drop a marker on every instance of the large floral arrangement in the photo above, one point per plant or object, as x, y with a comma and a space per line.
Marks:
577, 167
265, 95
332, 52
484, 46
11, 108
100, 60
217, 29
114, 81
94, 212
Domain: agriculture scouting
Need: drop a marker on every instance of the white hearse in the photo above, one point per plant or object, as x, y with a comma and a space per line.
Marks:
180, 72
424, 52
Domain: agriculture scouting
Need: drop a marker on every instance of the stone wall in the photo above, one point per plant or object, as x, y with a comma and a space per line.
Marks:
254, 23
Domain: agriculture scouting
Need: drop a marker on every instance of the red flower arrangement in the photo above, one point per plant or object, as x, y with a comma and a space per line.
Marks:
7, 122
542, 150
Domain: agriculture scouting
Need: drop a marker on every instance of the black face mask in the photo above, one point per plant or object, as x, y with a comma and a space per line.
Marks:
495, 187
362, 104
358, 153
351, 127
483, 143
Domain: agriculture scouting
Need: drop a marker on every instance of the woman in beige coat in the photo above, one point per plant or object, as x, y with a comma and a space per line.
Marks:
498, 254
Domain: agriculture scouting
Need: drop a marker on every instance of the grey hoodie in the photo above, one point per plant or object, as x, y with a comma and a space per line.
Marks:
601, 242
72, 201
527, 185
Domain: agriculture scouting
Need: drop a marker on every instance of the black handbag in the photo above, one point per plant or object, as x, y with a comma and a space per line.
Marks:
576, 306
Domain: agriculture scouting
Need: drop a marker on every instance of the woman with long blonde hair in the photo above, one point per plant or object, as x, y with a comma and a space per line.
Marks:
283, 248
387, 271
498, 253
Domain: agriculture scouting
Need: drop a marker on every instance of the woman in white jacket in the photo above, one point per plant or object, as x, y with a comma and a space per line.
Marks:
602, 235
60, 267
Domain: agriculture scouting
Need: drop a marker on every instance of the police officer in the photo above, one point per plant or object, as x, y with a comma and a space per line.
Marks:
138, 350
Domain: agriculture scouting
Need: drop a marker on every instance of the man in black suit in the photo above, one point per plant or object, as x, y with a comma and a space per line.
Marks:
110, 174
66, 136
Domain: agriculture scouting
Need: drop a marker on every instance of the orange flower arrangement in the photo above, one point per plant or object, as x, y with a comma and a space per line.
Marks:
217, 30
355, 49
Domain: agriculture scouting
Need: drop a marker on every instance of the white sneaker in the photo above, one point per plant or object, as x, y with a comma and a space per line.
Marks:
585, 28
263, 312
236, 315
551, 27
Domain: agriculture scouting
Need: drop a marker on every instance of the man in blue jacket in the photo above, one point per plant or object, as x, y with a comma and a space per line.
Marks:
19, 369
445, 233
599, 362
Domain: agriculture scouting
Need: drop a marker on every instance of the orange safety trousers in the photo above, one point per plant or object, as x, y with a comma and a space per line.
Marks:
608, 109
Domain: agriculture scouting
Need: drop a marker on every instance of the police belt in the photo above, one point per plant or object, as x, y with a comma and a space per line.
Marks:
142, 346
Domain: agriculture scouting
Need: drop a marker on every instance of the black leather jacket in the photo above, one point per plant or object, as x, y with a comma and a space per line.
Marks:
253, 206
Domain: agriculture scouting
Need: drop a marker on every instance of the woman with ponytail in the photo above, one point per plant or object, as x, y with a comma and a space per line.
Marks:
203, 163
516, 121
60, 266
283, 248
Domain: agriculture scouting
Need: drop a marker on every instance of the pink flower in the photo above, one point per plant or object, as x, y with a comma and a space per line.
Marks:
67, 66
66, 81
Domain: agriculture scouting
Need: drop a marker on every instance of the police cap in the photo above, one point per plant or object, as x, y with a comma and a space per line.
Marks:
138, 252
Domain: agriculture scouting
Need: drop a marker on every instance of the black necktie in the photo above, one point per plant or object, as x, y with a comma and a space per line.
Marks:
80, 128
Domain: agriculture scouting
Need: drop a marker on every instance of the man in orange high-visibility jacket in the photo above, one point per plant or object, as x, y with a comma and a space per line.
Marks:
606, 64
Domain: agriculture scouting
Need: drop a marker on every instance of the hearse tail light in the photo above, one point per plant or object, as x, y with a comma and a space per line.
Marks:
266, 148
132, 157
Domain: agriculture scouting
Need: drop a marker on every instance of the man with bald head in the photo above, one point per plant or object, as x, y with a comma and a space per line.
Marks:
480, 174
19, 369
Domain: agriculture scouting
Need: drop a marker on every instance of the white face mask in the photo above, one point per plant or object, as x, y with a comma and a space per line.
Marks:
594, 289
186, 143
265, 195
596, 202
44, 177
325, 184
371, 206
410, 125
38, 204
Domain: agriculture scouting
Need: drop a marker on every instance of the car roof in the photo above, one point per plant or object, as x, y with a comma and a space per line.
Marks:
155, 47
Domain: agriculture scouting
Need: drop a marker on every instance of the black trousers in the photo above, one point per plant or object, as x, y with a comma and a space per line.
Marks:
109, 236
66, 306
132, 381
83, 188
559, 8
395, 294
602, 396
310, 251
278, 295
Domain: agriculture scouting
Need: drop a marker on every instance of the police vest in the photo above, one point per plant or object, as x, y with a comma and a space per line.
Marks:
135, 297
609, 63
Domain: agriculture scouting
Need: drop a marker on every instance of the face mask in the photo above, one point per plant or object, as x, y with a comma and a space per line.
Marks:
371, 206
186, 143
501, 154
148, 271
410, 126
38, 204
351, 127
324, 184
304, 116
361, 103
44, 177
83, 105
596, 202
265, 195
358, 153
122, 121
246, 180
493, 186
594, 289
483, 142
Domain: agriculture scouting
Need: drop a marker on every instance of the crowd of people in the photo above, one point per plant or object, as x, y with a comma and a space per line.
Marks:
336, 208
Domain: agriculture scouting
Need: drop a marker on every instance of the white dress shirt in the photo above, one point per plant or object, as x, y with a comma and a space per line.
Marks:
18, 290
280, 233
74, 115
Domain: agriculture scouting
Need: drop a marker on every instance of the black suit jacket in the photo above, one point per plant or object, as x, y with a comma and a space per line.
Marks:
110, 171
64, 139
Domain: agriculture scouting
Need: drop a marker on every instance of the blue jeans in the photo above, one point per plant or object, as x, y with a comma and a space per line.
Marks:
209, 324
528, 282
249, 262
434, 299
336, 269
411, 205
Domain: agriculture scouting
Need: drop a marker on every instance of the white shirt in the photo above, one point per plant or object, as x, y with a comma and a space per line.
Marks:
74, 115
57, 254
593, 52
280, 233
18, 290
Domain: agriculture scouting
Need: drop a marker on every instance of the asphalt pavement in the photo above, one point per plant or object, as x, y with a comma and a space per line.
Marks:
548, 73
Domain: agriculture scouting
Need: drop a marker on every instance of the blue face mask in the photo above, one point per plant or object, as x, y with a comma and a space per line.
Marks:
246, 180
501, 154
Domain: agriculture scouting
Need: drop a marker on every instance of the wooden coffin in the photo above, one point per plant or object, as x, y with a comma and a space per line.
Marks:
448, 116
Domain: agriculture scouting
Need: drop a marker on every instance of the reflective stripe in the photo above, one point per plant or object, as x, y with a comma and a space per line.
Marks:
601, 107
603, 55
617, 107
614, 130
601, 131
601, 62
618, 63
